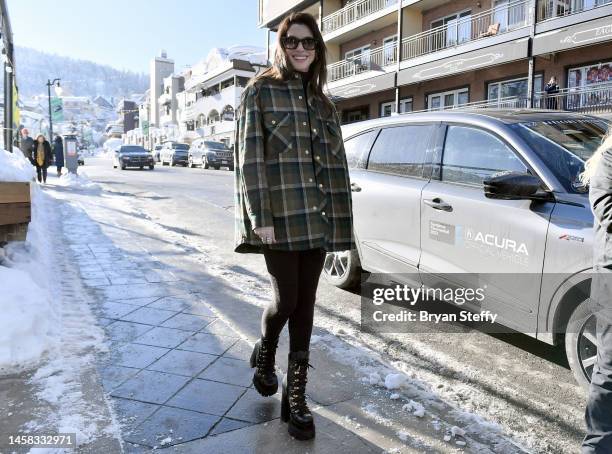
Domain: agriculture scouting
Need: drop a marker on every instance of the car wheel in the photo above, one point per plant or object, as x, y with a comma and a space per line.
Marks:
342, 269
217, 167
141, 167
123, 167
231, 168
205, 165
151, 167
581, 343
190, 164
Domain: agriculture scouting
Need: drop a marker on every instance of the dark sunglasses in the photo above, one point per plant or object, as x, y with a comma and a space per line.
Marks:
291, 42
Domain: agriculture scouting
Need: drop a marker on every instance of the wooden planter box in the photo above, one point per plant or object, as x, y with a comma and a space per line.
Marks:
15, 211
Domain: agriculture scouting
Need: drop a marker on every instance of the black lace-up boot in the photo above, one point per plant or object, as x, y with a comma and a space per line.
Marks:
293, 406
262, 358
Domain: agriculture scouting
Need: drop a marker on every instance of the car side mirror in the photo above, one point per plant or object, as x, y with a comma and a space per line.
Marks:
513, 186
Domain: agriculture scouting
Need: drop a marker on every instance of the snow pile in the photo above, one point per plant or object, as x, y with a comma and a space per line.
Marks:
28, 326
15, 167
395, 381
76, 180
415, 408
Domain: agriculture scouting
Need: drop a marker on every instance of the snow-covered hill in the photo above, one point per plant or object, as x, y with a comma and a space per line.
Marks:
79, 77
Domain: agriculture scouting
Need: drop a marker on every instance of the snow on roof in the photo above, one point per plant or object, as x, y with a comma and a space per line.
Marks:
219, 57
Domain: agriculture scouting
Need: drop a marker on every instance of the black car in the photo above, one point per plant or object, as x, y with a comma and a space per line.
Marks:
208, 154
174, 153
133, 156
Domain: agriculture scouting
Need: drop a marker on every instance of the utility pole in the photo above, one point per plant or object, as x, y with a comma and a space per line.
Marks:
9, 75
49, 85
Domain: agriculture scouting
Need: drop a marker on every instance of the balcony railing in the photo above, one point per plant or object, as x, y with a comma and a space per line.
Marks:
550, 9
595, 98
372, 60
353, 12
495, 21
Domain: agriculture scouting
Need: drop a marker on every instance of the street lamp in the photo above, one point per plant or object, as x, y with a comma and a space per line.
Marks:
50, 83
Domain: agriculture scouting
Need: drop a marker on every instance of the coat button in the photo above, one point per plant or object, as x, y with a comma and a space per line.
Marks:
305, 124
318, 158
314, 208
310, 180
321, 186
306, 152
300, 97
314, 130
323, 213
273, 122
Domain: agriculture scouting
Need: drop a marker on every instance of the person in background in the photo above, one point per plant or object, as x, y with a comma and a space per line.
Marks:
26, 143
293, 202
551, 89
41, 157
598, 415
58, 151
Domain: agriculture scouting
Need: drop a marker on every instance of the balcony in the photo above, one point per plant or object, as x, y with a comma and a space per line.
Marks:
493, 22
374, 60
352, 13
552, 9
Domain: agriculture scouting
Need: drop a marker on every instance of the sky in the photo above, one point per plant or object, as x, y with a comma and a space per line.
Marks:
126, 34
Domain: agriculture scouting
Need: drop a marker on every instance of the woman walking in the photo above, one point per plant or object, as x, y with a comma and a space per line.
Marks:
598, 172
41, 157
58, 151
293, 201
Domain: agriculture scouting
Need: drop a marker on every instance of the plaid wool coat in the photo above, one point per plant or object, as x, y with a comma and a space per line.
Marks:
290, 170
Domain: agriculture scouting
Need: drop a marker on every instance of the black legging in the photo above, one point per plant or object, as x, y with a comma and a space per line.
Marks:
295, 277
41, 173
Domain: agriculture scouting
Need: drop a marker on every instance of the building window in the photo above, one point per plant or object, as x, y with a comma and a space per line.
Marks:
359, 56
496, 91
453, 29
509, 14
584, 76
390, 50
358, 114
387, 108
448, 99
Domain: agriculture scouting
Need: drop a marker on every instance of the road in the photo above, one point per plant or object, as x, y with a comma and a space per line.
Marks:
523, 385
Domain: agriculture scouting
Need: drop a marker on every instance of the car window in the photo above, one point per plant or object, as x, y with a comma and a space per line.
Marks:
472, 155
357, 149
401, 150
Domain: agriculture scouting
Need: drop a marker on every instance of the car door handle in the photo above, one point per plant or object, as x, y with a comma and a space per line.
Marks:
355, 187
438, 204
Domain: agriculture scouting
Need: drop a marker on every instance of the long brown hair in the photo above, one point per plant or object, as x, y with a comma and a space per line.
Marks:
282, 69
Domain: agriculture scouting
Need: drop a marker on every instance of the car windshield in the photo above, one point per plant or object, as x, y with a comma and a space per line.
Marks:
132, 150
564, 146
180, 146
216, 145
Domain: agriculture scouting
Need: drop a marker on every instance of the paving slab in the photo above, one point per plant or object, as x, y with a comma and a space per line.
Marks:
207, 396
150, 386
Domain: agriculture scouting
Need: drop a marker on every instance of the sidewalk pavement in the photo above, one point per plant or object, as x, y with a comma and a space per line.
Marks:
176, 373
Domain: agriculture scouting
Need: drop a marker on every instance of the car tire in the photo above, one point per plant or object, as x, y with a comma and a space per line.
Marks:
342, 269
123, 167
581, 344
191, 164
141, 167
151, 167
231, 168
217, 167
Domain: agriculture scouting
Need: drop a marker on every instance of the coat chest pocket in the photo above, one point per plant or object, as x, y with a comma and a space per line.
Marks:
278, 128
334, 136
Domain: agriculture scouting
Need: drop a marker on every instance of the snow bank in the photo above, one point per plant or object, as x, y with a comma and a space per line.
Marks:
15, 167
28, 326
80, 180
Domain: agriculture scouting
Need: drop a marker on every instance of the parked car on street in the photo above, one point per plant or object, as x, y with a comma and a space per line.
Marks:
156, 151
492, 194
206, 154
133, 156
173, 153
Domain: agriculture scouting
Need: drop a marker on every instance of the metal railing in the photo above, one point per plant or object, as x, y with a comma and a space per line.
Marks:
492, 22
353, 12
595, 98
550, 9
370, 60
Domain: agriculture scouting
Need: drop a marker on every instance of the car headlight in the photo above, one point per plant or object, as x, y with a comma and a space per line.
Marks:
126, 158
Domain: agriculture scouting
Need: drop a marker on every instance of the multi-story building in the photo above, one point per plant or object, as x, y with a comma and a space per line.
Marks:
210, 99
172, 85
128, 114
392, 55
160, 68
